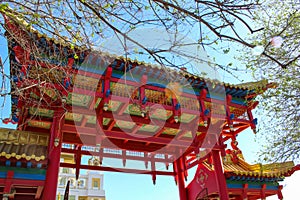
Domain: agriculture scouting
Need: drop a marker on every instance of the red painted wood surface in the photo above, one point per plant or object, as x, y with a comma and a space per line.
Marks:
54, 152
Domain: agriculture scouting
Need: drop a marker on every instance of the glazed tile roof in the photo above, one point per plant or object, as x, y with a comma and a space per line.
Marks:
23, 144
242, 168
270, 170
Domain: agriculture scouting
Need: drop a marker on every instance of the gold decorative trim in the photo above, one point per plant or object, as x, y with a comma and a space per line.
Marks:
22, 137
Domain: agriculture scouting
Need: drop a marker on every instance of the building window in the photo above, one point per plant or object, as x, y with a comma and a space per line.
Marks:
62, 181
96, 183
81, 183
65, 170
72, 183
72, 197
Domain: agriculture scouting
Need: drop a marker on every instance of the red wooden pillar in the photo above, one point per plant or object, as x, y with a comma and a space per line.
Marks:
279, 193
54, 150
263, 192
8, 185
245, 191
221, 182
180, 179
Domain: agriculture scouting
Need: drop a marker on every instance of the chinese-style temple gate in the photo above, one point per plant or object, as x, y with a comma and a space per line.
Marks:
78, 102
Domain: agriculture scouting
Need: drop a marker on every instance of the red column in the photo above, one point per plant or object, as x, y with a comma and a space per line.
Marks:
263, 192
279, 193
245, 191
54, 150
216, 154
180, 179
7, 187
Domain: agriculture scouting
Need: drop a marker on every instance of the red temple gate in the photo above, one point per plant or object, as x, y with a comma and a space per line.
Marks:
82, 103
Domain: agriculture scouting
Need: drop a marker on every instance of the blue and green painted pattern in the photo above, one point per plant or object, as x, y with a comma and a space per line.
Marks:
24, 173
254, 183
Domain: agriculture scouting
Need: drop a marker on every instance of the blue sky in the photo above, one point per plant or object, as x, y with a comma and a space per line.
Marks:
132, 186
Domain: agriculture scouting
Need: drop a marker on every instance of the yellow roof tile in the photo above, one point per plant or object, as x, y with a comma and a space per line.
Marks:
241, 167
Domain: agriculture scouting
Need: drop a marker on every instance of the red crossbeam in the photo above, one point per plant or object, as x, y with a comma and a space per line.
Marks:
114, 169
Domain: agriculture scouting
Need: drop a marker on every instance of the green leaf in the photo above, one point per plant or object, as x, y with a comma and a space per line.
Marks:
3, 7
226, 51
68, 27
36, 15
136, 50
107, 6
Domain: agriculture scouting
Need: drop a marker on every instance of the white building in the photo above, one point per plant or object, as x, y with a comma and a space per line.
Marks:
89, 186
